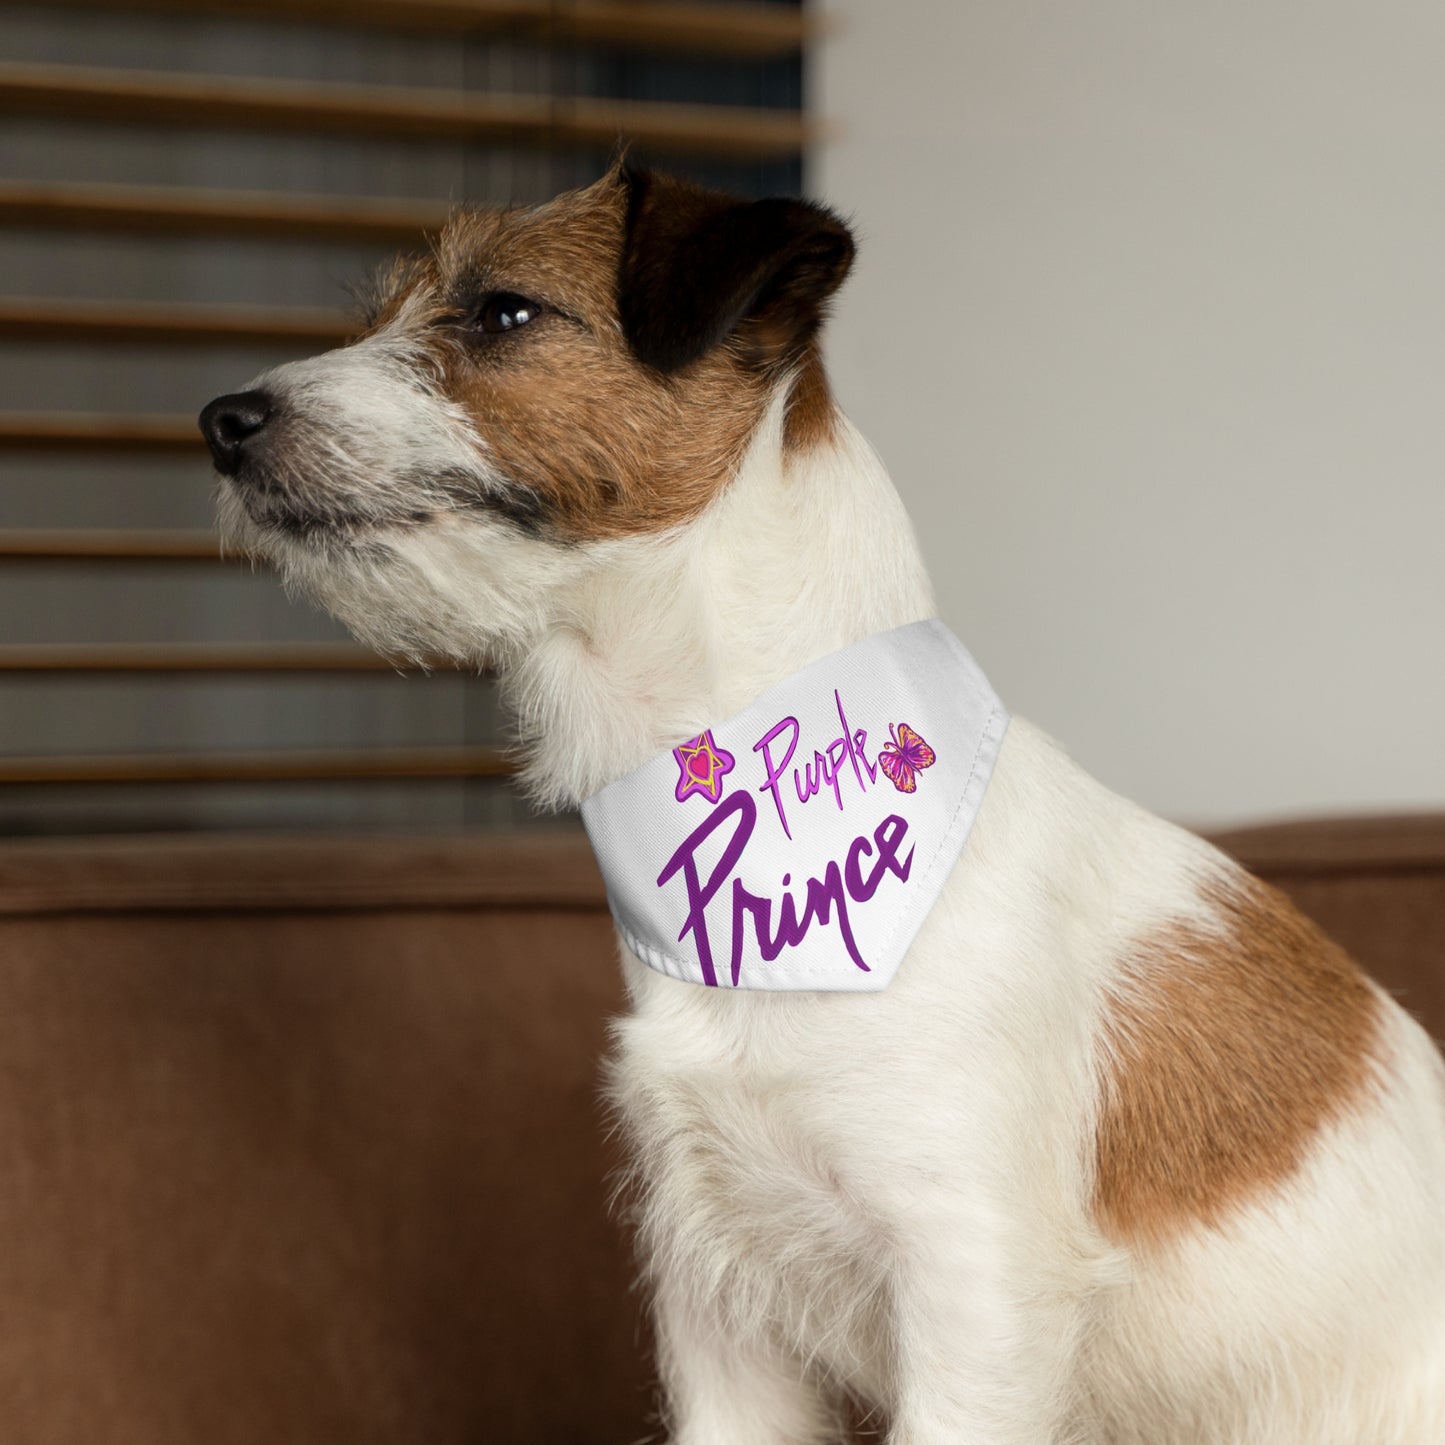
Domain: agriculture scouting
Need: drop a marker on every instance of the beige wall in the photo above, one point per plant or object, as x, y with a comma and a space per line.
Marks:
1149, 324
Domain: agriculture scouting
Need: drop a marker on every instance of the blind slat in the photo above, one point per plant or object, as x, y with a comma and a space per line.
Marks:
324, 107
743, 31
359, 764
171, 323
189, 657
169, 210
77, 544
86, 431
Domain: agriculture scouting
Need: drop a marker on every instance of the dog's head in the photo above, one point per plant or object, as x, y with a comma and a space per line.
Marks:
545, 383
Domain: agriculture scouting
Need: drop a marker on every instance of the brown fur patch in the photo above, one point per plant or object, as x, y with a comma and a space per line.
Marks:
812, 417
599, 444
1226, 1053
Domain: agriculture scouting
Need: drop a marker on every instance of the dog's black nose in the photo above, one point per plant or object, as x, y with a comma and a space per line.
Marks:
229, 422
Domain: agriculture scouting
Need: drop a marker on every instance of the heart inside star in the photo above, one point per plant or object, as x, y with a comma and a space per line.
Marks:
702, 765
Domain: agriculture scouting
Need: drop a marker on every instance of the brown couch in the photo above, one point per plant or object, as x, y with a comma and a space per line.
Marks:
300, 1142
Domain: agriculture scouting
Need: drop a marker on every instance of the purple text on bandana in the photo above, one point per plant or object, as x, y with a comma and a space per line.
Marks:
821, 897
826, 769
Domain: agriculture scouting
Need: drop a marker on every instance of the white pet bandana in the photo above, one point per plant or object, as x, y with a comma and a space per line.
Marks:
800, 844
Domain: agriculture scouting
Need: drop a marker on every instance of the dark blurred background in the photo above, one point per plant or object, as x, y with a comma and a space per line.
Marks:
152, 255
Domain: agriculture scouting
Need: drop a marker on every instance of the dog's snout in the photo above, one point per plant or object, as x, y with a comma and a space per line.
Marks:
229, 422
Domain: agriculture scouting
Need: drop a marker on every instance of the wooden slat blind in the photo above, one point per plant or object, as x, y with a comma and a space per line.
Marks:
313, 112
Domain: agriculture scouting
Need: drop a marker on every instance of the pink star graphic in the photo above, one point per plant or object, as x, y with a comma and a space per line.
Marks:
702, 766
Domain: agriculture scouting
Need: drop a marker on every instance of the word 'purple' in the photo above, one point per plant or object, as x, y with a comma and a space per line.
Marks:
822, 895
826, 769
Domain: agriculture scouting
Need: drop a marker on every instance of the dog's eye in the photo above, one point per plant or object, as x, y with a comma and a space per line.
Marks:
505, 311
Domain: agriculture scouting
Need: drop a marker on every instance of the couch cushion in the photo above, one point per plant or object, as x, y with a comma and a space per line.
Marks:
1376, 885
301, 1142
300, 1136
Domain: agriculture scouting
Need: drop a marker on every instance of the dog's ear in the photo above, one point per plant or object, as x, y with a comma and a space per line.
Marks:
698, 267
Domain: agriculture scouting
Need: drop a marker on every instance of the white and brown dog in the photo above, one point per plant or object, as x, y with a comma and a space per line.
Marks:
1127, 1152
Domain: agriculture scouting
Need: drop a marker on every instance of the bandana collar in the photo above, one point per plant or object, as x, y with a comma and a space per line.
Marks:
801, 843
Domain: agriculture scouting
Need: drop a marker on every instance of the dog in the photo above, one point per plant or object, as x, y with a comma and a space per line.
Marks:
1126, 1153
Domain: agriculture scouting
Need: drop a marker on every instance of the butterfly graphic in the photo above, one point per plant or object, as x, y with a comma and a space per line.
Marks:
905, 757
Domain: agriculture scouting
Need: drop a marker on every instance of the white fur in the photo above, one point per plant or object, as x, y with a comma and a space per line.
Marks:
889, 1194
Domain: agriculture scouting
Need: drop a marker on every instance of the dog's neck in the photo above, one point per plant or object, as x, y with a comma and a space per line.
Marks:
806, 552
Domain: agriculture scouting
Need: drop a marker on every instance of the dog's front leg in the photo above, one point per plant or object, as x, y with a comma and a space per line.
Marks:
724, 1387
985, 1345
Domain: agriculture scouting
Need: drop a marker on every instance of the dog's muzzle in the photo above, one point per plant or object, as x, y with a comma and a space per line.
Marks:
231, 424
